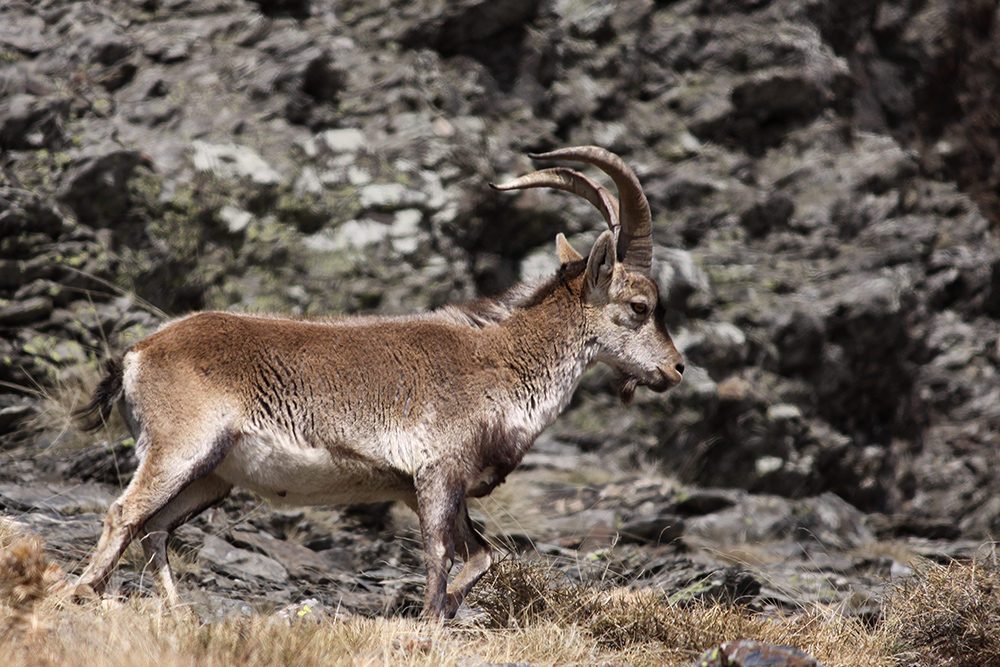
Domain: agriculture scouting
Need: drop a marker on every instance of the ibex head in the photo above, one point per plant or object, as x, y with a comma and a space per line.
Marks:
624, 315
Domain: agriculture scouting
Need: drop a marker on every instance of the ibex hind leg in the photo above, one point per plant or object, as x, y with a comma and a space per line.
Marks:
191, 501
155, 484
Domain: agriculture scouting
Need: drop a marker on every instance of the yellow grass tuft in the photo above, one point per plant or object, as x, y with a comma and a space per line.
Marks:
948, 615
27, 577
27, 574
636, 623
54, 423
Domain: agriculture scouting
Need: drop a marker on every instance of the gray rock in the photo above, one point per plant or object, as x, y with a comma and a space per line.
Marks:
775, 93
591, 525
300, 562
105, 44
772, 213
389, 197
682, 282
53, 497
750, 653
28, 122
22, 212
67, 537
233, 161
226, 559
27, 35
657, 529
12, 416
347, 140
19, 313
95, 185
236, 219
760, 519
307, 611
108, 464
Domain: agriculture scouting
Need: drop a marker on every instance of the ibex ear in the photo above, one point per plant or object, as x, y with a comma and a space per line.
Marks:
601, 263
565, 251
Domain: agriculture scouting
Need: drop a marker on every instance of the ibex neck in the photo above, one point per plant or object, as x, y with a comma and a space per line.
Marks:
549, 352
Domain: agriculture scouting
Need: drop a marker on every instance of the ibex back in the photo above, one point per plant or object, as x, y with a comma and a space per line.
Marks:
430, 409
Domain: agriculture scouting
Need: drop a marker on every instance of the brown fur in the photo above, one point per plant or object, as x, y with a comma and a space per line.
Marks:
428, 409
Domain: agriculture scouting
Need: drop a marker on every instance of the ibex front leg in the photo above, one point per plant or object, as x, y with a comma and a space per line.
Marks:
439, 500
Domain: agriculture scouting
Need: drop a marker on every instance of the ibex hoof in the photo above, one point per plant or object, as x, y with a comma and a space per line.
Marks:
84, 594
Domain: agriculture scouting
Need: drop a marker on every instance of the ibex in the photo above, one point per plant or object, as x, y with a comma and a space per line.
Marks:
429, 409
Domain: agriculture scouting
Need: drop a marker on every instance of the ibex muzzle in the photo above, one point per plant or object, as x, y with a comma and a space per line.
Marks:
430, 409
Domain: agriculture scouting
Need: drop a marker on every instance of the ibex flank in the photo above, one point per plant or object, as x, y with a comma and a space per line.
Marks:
429, 409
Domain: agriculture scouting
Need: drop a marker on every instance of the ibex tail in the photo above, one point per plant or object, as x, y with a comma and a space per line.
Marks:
108, 392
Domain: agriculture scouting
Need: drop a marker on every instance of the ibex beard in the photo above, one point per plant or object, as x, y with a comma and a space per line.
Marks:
430, 409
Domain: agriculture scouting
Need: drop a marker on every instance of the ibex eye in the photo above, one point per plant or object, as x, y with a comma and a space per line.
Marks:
639, 308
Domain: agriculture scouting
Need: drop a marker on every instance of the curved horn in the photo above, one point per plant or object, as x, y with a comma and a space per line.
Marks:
635, 244
570, 181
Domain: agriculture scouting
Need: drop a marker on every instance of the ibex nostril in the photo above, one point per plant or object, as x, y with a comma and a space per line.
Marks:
680, 367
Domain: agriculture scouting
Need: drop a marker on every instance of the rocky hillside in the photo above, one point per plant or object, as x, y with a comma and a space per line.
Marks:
823, 178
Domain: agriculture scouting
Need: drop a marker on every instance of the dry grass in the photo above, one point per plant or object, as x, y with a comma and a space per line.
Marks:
631, 624
945, 615
55, 424
948, 615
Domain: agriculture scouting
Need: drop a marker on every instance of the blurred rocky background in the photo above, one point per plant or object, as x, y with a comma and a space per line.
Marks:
824, 181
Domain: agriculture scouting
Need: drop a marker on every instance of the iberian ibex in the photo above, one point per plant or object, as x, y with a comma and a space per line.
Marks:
429, 409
